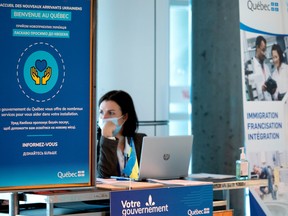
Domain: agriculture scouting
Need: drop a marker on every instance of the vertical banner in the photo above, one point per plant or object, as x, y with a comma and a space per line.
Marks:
264, 42
46, 93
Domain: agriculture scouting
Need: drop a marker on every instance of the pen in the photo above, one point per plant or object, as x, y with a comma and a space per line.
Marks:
120, 178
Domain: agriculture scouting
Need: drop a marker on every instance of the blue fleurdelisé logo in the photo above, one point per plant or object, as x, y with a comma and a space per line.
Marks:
69, 174
150, 207
256, 5
275, 6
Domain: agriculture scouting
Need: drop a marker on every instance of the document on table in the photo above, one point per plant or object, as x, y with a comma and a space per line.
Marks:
183, 182
211, 176
123, 184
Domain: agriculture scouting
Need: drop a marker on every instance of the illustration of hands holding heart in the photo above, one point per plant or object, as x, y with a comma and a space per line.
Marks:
40, 73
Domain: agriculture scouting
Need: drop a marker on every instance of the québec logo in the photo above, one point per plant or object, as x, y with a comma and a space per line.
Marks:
198, 212
275, 6
256, 5
70, 174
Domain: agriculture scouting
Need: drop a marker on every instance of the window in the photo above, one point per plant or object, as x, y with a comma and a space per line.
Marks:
180, 107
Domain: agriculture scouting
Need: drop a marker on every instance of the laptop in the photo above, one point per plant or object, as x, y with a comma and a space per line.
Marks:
166, 157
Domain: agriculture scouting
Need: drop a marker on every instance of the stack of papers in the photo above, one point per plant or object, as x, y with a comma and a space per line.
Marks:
211, 176
182, 182
114, 184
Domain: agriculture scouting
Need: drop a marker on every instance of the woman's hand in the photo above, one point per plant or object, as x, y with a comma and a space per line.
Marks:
108, 128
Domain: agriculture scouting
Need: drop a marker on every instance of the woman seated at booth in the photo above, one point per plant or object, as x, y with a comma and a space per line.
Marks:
118, 143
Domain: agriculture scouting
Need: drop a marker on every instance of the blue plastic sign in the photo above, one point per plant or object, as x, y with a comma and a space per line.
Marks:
46, 93
188, 200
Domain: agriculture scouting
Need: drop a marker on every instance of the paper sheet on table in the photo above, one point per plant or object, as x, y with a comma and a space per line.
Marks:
180, 182
114, 184
210, 176
128, 185
105, 180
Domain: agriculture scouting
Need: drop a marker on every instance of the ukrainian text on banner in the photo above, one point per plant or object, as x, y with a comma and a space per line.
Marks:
45, 97
264, 57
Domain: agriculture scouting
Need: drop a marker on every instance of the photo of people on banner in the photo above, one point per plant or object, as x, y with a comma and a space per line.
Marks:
273, 166
266, 69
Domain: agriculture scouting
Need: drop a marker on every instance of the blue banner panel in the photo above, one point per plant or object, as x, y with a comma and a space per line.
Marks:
188, 200
45, 93
255, 208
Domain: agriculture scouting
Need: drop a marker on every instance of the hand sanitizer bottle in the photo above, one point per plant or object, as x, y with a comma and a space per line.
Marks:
242, 166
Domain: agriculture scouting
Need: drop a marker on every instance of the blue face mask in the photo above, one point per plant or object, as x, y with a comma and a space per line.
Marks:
102, 122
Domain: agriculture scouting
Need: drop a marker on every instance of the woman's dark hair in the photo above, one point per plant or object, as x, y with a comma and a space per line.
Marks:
278, 49
124, 100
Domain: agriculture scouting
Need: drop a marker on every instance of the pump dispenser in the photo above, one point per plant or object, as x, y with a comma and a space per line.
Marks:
242, 166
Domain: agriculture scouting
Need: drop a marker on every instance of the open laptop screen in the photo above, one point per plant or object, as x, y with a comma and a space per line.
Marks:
166, 157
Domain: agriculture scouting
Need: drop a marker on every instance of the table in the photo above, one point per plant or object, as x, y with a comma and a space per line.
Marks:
50, 198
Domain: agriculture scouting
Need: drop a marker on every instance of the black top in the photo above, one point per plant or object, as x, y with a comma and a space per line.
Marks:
107, 160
